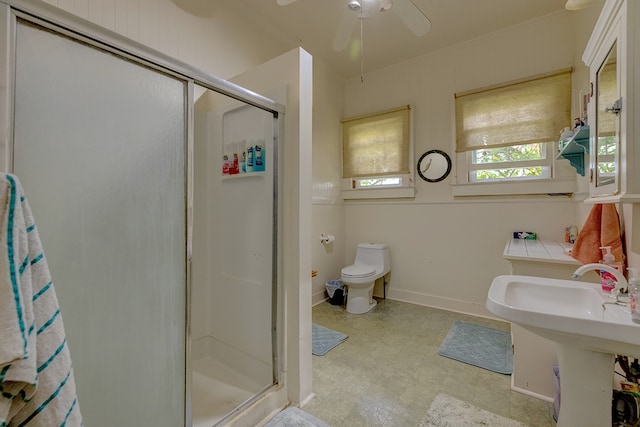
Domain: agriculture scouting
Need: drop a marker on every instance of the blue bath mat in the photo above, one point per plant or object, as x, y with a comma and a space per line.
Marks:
324, 339
480, 346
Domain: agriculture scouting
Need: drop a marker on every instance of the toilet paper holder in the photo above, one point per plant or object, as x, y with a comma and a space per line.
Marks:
325, 239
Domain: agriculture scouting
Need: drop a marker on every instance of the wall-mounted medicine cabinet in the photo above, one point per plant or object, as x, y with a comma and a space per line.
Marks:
614, 70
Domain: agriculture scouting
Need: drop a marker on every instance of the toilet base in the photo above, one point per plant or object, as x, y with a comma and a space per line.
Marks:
360, 304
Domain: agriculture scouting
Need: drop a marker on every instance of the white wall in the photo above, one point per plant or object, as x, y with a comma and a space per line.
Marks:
211, 37
446, 251
328, 215
631, 219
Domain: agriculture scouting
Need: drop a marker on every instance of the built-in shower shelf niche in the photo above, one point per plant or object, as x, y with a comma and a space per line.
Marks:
244, 148
243, 157
575, 148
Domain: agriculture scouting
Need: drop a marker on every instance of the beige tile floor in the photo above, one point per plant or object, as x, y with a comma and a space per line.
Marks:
388, 371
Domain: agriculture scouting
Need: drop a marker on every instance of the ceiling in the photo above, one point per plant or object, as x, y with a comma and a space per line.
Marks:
312, 24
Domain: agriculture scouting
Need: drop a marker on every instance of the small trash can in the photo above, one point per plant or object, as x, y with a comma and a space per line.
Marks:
337, 291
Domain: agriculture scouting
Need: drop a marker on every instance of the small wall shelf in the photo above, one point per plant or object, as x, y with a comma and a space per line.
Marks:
575, 149
243, 175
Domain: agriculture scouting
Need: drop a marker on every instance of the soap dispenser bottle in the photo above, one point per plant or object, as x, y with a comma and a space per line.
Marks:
608, 280
634, 294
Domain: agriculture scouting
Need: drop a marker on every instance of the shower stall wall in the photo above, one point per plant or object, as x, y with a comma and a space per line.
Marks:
159, 257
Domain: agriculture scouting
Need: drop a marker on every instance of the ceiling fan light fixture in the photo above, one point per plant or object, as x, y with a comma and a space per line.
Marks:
354, 6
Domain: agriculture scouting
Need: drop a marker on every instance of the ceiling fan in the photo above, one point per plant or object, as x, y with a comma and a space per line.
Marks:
355, 11
577, 4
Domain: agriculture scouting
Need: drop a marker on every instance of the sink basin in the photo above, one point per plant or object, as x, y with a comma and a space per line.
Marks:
587, 336
565, 310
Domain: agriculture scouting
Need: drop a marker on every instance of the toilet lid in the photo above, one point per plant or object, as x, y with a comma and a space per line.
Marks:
359, 270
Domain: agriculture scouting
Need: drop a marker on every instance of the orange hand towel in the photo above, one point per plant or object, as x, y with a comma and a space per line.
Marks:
602, 228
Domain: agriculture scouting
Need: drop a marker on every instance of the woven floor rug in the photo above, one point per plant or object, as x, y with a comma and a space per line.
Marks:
480, 346
324, 339
445, 411
295, 417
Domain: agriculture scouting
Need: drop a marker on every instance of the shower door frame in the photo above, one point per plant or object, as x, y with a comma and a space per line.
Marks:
69, 25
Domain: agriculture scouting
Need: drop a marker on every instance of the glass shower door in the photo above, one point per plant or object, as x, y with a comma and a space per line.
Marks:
233, 264
99, 145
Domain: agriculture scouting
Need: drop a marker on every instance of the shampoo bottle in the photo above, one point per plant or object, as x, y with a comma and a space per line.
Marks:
249, 166
634, 294
608, 280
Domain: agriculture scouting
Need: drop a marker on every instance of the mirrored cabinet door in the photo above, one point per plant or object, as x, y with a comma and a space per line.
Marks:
607, 127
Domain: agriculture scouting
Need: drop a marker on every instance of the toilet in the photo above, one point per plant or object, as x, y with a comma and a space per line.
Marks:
372, 262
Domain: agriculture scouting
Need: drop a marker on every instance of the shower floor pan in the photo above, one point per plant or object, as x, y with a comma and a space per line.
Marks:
216, 391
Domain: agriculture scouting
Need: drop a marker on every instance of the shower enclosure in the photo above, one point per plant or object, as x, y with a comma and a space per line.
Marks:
233, 266
164, 260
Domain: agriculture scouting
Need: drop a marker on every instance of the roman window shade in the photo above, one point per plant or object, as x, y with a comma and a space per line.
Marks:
376, 144
526, 111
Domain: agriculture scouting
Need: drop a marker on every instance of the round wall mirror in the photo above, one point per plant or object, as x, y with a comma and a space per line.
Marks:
434, 165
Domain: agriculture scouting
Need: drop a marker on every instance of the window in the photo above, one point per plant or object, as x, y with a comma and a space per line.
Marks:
508, 133
377, 155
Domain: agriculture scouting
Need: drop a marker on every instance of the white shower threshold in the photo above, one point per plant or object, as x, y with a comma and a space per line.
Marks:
216, 391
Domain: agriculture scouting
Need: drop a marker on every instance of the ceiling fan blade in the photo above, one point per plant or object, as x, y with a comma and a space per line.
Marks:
413, 17
577, 4
284, 2
344, 31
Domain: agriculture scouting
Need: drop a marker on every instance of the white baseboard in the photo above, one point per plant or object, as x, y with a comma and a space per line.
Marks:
318, 297
450, 304
530, 393
307, 400
459, 306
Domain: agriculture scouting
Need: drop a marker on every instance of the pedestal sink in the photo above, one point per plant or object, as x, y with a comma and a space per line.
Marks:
588, 336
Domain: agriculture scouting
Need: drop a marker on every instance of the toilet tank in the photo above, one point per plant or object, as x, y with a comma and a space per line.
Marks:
376, 254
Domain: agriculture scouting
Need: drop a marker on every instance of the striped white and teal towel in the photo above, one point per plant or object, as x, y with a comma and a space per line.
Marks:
37, 387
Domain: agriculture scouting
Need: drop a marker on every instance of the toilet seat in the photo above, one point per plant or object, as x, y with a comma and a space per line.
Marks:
358, 271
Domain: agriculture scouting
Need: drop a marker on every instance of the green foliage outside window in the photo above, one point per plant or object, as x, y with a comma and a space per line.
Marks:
607, 148
514, 153
379, 182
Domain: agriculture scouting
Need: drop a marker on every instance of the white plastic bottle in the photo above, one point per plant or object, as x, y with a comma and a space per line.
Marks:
608, 280
634, 294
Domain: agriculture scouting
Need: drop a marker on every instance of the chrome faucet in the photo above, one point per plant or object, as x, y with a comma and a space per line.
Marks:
620, 280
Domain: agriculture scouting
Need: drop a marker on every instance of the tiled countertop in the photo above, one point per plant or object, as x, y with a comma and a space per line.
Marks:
538, 250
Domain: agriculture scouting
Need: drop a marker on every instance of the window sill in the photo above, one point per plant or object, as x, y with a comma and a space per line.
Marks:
379, 193
530, 187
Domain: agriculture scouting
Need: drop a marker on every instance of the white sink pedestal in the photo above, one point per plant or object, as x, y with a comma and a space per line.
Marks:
586, 383
588, 334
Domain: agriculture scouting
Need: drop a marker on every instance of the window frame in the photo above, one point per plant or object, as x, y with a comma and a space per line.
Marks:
558, 177
353, 189
546, 163
563, 181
